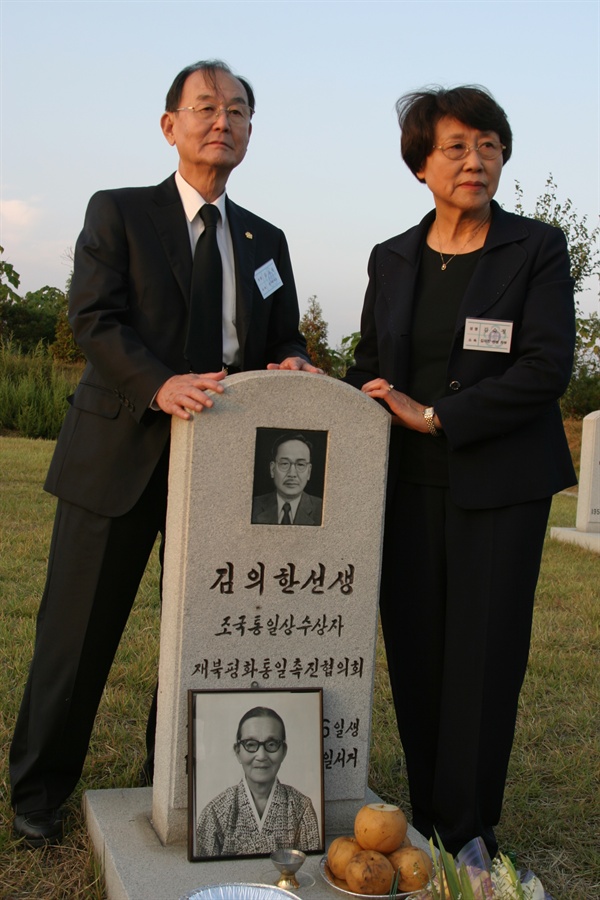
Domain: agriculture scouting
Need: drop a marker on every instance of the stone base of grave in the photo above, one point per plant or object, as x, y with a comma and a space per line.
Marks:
136, 866
589, 540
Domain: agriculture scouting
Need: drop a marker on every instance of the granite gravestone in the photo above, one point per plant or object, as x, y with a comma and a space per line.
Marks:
587, 528
249, 604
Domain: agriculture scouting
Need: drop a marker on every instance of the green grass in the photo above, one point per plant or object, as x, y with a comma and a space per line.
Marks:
552, 807
117, 747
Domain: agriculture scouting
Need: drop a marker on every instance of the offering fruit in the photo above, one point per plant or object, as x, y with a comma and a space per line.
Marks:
380, 826
369, 872
415, 867
340, 853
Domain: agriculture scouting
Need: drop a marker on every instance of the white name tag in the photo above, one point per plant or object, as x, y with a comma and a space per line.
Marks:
488, 334
268, 279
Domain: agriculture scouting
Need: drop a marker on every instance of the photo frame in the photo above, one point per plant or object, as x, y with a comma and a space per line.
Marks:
255, 772
301, 484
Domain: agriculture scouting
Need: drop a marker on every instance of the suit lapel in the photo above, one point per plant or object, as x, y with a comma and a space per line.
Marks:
400, 267
169, 220
243, 241
304, 513
501, 259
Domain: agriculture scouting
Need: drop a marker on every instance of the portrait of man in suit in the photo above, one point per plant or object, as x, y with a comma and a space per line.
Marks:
164, 303
290, 468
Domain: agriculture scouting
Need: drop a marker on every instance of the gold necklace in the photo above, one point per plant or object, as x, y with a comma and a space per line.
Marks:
445, 263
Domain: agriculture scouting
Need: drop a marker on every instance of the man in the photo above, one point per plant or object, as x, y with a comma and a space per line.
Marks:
146, 263
290, 469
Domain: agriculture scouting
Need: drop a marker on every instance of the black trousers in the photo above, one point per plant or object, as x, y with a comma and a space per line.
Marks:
457, 599
94, 571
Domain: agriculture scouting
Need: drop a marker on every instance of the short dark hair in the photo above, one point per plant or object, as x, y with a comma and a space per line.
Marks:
260, 712
420, 111
210, 67
284, 438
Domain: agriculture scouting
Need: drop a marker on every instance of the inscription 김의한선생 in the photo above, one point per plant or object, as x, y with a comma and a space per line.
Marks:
286, 578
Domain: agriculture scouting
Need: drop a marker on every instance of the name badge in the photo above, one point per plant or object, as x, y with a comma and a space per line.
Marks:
488, 334
268, 279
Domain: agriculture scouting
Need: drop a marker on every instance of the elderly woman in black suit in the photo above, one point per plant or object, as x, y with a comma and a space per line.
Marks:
467, 336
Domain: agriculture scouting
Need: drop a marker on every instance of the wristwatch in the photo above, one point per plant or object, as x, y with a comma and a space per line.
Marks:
428, 415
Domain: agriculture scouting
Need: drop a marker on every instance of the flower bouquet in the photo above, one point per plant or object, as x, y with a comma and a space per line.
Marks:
474, 876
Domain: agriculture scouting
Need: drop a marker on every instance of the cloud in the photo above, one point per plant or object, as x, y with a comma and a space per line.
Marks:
19, 215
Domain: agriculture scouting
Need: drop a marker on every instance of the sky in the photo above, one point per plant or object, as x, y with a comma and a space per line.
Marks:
83, 85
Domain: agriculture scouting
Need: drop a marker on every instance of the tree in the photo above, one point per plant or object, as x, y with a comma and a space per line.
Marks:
64, 349
39, 316
314, 328
582, 243
343, 355
32, 318
9, 279
583, 393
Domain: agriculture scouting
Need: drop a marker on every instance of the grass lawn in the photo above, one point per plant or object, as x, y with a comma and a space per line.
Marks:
552, 806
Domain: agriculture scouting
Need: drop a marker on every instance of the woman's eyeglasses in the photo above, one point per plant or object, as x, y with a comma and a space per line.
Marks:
272, 745
460, 149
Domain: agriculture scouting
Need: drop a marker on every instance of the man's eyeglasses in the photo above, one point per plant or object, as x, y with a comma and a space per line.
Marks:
460, 149
300, 465
237, 113
272, 745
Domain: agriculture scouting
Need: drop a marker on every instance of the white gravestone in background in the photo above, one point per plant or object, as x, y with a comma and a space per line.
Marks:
269, 605
587, 526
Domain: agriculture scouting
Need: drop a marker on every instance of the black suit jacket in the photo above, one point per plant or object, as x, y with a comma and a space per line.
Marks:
128, 306
309, 512
500, 411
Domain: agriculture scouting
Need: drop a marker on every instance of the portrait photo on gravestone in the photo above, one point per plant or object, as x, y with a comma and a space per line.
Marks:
289, 476
245, 747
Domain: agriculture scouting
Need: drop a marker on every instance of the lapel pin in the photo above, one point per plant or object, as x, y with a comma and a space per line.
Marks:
249, 235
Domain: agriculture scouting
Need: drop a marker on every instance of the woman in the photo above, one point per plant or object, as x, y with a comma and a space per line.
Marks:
259, 814
467, 336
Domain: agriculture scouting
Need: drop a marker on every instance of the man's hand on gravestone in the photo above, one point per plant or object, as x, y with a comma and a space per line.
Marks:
296, 364
183, 393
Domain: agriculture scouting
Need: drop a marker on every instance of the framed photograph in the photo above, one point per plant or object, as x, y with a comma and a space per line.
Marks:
289, 476
255, 772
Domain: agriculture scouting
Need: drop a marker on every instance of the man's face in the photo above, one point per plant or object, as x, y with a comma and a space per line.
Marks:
219, 143
291, 469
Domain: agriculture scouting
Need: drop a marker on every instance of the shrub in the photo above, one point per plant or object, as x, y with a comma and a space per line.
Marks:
33, 391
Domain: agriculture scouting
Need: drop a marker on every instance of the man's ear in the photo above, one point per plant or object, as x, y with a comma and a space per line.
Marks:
166, 124
272, 469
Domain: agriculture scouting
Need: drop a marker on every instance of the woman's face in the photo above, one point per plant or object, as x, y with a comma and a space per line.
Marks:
465, 185
261, 766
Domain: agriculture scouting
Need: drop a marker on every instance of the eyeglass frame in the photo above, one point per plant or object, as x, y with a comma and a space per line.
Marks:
219, 110
468, 150
285, 464
244, 741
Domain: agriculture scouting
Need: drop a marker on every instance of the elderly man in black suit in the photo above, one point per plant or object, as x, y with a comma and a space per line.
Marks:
290, 468
171, 285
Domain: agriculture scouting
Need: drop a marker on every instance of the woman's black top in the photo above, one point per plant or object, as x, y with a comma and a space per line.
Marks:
424, 458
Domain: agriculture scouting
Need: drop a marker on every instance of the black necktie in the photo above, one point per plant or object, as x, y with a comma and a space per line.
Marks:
285, 519
204, 343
